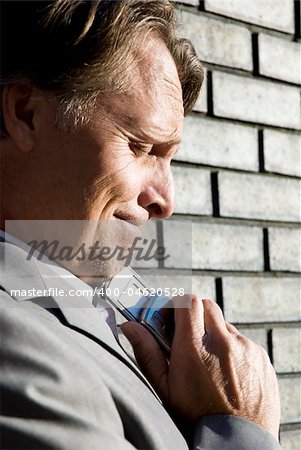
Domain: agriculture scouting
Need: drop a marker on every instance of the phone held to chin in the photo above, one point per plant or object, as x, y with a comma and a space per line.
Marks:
131, 296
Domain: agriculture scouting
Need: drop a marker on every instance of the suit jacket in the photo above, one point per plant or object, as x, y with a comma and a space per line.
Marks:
66, 382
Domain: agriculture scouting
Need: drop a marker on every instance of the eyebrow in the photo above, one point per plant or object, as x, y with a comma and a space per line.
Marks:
168, 143
149, 140
161, 140
175, 142
147, 135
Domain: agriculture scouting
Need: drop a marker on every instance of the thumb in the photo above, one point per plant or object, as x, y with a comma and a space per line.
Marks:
149, 356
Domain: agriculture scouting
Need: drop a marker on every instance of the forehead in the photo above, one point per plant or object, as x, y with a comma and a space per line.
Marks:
153, 106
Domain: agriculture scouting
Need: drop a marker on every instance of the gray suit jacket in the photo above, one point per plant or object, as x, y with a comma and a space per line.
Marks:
66, 382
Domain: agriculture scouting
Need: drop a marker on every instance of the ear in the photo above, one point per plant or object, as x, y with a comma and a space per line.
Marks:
18, 111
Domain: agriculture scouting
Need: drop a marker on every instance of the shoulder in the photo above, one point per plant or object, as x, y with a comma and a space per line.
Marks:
45, 376
38, 350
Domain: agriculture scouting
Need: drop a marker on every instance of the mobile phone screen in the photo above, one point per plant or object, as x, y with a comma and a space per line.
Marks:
132, 297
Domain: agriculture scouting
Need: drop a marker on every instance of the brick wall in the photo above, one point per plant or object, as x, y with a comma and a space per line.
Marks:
238, 180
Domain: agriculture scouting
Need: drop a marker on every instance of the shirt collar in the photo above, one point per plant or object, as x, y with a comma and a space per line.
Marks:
57, 270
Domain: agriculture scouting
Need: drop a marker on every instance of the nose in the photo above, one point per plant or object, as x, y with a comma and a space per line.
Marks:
157, 195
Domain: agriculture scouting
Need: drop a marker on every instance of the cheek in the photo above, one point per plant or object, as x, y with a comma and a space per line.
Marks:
120, 181
128, 181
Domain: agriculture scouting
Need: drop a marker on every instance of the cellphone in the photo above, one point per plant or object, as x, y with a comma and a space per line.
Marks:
136, 301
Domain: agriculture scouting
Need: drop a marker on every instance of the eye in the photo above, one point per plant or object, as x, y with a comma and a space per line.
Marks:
140, 148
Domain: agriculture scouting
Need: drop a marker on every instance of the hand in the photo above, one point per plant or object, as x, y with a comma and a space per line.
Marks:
213, 369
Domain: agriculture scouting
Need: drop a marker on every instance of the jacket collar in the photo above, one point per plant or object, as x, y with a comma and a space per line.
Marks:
23, 278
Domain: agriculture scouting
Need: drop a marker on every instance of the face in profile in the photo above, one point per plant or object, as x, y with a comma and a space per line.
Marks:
115, 169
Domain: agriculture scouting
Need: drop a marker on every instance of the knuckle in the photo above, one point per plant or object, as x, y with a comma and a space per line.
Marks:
194, 299
227, 342
209, 303
210, 306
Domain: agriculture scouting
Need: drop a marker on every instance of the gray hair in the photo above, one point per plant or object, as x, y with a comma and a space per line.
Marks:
77, 50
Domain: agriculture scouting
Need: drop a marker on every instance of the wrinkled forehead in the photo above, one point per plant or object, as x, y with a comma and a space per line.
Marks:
159, 77
154, 101
154, 64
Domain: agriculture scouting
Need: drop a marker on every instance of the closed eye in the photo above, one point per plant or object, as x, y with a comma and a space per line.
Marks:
139, 147
166, 150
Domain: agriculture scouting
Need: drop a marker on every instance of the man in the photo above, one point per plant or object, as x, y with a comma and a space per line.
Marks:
93, 99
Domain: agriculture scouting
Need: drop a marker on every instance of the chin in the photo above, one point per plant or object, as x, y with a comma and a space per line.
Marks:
105, 250
101, 272
89, 249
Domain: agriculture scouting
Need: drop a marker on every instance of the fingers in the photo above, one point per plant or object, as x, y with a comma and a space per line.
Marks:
149, 356
232, 329
213, 317
199, 317
189, 319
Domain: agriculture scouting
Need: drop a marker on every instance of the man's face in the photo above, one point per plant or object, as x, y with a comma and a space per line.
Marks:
116, 168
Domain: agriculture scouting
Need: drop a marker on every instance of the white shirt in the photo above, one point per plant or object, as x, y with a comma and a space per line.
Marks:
76, 284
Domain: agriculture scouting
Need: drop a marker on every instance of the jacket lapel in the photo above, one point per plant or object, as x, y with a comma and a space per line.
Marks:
19, 274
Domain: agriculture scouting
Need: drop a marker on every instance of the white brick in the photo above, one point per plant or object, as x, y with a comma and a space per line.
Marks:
290, 439
259, 197
178, 243
202, 286
279, 58
256, 100
259, 336
201, 103
286, 349
282, 152
218, 42
256, 299
173, 281
219, 143
277, 14
148, 232
285, 249
193, 190
290, 394
226, 247
210, 246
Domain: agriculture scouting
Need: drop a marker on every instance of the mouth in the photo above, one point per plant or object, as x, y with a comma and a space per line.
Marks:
131, 220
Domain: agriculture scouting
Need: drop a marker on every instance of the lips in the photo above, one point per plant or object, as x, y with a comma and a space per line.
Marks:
127, 228
136, 221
